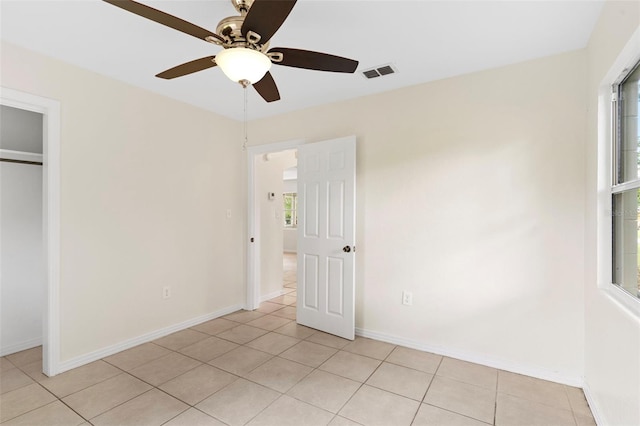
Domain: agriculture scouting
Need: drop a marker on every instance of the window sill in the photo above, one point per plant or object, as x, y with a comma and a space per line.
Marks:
624, 300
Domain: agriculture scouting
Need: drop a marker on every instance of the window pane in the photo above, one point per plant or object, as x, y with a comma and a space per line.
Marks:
625, 241
290, 215
628, 134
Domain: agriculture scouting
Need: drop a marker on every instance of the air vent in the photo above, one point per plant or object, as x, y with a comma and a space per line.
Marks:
380, 71
371, 74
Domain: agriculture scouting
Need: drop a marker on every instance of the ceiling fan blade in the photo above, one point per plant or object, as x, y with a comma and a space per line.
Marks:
267, 88
188, 68
318, 61
163, 18
266, 16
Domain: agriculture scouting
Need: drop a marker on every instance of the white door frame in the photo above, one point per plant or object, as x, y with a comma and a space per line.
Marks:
50, 109
253, 228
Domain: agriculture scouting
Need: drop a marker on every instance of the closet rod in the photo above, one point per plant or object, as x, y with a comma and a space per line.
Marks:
8, 160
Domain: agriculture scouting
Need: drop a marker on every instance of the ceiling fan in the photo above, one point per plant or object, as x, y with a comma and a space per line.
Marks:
246, 57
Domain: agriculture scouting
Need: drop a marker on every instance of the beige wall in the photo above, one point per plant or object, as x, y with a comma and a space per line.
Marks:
145, 185
612, 334
470, 194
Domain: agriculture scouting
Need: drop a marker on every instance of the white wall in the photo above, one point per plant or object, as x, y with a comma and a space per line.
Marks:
470, 194
146, 182
22, 285
290, 185
290, 240
268, 178
612, 333
20, 130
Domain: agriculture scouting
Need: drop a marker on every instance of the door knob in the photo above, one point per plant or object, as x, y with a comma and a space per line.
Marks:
346, 249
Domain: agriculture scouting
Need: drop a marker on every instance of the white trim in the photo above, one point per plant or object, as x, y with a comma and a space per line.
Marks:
148, 337
628, 57
272, 295
501, 364
50, 109
624, 300
591, 401
21, 346
622, 187
253, 226
21, 155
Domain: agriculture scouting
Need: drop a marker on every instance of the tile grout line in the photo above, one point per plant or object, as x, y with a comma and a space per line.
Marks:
573, 413
495, 404
121, 372
362, 383
79, 390
33, 409
427, 390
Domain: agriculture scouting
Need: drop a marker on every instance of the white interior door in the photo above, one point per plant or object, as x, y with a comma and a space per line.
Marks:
326, 236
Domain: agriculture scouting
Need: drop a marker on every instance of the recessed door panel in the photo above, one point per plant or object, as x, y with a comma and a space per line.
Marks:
312, 163
335, 286
311, 205
310, 285
336, 161
336, 209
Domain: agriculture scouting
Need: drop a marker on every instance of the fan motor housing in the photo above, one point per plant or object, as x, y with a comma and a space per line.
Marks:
242, 6
230, 27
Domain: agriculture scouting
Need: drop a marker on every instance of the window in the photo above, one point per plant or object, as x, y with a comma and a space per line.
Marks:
625, 188
290, 209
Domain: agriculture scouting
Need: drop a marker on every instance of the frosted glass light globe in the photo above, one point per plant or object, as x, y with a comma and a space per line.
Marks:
239, 63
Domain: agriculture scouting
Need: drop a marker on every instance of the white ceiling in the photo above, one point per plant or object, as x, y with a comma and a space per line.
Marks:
425, 40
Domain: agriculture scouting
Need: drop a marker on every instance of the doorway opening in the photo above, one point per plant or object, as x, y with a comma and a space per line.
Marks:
255, 155
325, 279
22, 283
50, 202
271, 231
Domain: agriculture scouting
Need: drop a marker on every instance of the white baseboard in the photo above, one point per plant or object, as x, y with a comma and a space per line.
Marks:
271, 295
20, 346
588, 393
500, 364
290, 251
129, 343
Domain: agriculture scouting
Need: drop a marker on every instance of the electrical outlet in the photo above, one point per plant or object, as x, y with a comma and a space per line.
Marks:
407, 298
166, 292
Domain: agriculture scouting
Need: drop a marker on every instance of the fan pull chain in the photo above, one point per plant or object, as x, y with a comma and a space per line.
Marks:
246, 134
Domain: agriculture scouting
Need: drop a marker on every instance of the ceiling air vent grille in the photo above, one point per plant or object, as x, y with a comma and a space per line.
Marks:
380, 71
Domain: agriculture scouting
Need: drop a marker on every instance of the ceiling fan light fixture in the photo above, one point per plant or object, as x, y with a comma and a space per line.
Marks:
243, 65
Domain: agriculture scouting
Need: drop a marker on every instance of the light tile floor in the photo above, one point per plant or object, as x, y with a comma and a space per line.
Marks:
261, 368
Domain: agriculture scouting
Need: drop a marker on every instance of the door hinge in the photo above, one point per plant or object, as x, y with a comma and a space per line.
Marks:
614, 97
253, 239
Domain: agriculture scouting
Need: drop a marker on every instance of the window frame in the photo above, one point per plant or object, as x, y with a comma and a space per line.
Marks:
617, 185
294, 210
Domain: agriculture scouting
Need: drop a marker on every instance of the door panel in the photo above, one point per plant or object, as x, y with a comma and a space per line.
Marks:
311, 276
336, 210
326, 201
335, 286
310, 209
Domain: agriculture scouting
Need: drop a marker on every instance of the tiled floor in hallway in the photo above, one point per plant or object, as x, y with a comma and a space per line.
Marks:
261, 368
